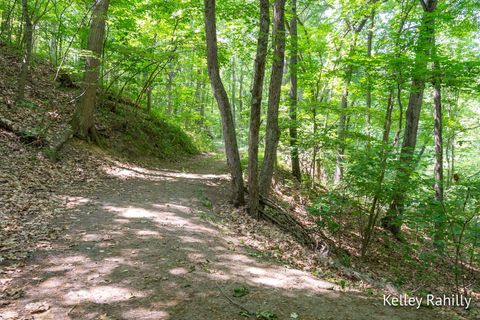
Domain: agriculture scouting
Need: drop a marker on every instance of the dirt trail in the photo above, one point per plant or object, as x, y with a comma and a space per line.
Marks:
141, 248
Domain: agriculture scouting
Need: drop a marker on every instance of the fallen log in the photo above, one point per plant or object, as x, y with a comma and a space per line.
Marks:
25, 136
277, 215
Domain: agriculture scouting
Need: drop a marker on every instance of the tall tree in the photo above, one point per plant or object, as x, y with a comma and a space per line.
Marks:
83, 125
31, 16
342, 122
368, 98
295, 161
393, 220
27, 56
256, 106
228, 126
438, 136
272, 134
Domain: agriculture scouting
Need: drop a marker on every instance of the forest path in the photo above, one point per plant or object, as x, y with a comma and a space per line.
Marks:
141, 248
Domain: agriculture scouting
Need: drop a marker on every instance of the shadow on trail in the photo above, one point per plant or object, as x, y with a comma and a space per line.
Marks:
140, 249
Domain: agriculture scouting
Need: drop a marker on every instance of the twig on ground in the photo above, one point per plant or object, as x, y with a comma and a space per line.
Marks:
71, 309
233, 302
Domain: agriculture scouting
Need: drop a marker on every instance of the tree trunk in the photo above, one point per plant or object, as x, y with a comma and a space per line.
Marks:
53, 44
170, 76
393, 221
438, 135
83, 125
342, 123
27, 55
296, 172
197, 97
256, 106
228, 126
149, 97
368, 98
342, 126
240, 97
272, 134
234, 93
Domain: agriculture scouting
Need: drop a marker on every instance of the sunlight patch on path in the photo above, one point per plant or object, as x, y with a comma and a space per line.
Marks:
166, 217
145, 314
127, 171
102, 294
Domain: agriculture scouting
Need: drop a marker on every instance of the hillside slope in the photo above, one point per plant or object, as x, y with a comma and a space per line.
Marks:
32, 188
123, 126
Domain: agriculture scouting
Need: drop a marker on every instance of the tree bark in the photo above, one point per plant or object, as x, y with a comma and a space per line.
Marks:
53, 44
228, 126
368, 98
240, 96
83, 125
272, 134
393, 220
234, 93
27, 54
149, 96
296, 172
170, 76
256, 106
341, 132
438, 136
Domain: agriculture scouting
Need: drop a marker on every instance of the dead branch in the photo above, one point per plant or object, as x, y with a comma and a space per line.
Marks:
277, 215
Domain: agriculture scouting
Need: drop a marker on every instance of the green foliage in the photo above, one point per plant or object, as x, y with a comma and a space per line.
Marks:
328, 207
265, 315
240, 291
205, 201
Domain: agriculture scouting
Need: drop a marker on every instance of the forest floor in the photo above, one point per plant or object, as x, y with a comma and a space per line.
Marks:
147, 244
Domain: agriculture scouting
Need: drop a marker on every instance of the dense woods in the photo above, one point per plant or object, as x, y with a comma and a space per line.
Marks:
370, 110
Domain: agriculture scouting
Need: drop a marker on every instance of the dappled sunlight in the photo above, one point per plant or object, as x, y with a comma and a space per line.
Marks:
68, 260
129, 171
121, 221
73, 202
196, 257
148, 233
147, 252
102, 294
237, 258
179, 271
167, 215
133, 212
171, 207
93, 237
145, 314
52, 283
189, 239
273, 276
219, 276
256, 271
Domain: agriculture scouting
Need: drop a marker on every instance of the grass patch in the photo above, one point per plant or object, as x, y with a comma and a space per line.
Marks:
136, 133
